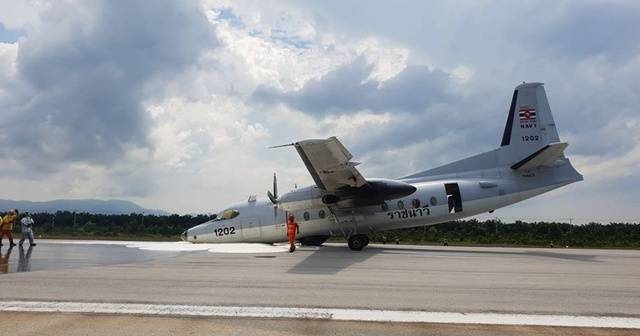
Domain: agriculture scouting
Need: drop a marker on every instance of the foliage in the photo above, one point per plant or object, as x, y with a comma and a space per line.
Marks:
137, 226
495, 232
462, 232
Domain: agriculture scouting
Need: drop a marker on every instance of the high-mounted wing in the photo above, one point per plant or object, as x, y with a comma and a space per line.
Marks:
328, 163
337, 180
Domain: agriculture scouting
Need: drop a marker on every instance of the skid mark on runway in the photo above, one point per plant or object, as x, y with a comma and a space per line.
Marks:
216, 248
189, 247
321, 314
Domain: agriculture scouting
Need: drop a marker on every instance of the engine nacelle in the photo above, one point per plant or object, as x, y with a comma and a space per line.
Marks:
330, 199
304, 198
391, 189
374, 192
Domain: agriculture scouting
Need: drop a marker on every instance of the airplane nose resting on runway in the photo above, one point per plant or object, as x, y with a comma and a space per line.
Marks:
183, 236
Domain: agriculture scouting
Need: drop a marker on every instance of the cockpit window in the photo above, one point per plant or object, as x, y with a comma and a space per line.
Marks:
228, 214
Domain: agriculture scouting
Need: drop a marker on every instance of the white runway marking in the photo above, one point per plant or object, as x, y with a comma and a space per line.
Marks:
188, 247
320, 313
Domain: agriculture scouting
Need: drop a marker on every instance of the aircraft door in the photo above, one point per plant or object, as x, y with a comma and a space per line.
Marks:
453, 197
251, 228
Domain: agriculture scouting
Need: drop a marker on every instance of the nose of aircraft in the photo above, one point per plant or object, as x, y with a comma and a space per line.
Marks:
183, 236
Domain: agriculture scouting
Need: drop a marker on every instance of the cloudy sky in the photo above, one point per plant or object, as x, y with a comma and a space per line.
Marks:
173, 104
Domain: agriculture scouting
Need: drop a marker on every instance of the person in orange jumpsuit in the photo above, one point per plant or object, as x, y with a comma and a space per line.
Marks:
292, 229
7, 226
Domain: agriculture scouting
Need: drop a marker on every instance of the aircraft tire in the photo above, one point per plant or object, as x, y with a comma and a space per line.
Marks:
357, 242
366, 240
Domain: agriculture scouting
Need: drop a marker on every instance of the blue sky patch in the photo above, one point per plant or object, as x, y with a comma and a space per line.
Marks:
234, 20
10, 35
279, 35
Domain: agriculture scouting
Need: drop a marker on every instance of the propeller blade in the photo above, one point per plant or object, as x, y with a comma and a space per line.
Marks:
274, 197
271, 197
275, 186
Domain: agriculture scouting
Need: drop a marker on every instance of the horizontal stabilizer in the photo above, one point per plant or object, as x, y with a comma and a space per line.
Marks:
545, 157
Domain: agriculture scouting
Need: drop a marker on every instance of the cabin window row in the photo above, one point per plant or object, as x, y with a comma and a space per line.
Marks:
321, 214
415, 203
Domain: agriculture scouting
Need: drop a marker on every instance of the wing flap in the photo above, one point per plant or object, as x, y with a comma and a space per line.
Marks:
328, 162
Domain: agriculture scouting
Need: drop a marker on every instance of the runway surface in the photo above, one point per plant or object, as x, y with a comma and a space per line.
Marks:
489, 288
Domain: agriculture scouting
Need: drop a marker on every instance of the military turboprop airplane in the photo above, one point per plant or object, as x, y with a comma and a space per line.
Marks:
530, 161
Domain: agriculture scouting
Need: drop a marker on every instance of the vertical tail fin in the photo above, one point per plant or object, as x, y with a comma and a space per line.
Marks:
530, 127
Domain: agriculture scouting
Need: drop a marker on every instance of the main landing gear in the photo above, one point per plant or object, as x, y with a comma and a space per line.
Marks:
358, 241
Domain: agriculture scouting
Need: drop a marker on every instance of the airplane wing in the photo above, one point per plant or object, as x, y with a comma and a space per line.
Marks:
328, 163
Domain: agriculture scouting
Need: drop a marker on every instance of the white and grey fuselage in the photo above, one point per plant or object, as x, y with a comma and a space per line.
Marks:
529, 162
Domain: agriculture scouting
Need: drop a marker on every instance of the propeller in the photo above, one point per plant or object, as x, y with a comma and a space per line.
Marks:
274, 197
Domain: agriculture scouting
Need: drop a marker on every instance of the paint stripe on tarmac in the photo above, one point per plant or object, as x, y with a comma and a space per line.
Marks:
320, 313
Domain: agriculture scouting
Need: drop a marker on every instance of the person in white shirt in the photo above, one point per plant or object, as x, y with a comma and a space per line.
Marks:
27, 229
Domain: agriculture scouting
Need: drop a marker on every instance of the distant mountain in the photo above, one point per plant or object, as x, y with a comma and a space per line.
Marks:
110, 207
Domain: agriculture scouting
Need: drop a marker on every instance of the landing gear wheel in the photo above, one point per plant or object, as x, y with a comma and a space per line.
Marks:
366, 240
357, 242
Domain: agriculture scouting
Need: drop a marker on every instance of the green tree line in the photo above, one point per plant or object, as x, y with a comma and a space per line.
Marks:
66, 224
462, 232
495, 232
